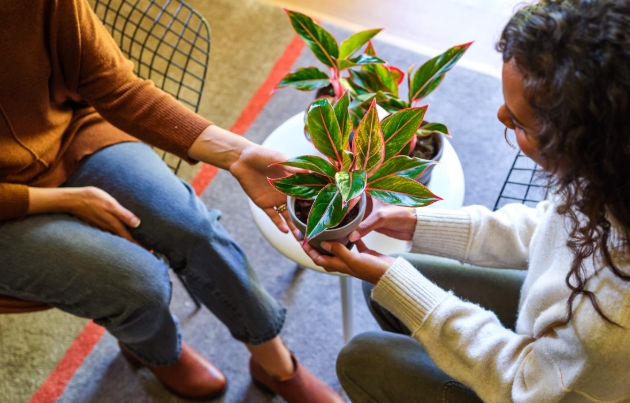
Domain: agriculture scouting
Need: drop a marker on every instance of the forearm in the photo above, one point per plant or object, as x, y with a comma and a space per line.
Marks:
51, 200
218, 147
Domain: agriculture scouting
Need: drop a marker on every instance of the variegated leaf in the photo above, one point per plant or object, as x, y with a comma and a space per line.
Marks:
431, 73
305, 79
301, 186
321, 42
429, 128
361, 60
343, 118
369, 146
327, 212
401, 191
311, 163
401, 165
350, 183
355, 41
324, 130
399, 128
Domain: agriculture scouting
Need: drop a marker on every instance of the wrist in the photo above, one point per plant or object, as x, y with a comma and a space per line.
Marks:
52, 200
218, 147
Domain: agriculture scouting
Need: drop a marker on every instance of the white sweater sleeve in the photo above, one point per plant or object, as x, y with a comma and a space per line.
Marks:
470, 344
477, 235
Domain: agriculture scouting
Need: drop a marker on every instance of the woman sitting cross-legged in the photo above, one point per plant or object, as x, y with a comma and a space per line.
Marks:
543, 316
83, 204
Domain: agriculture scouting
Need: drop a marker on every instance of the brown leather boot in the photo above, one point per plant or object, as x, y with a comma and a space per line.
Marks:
301, 387
192, 376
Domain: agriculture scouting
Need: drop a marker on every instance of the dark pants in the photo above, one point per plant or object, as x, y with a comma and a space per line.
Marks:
392, 367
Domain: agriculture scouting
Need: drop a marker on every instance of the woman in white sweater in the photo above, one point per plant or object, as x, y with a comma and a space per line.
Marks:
556, 329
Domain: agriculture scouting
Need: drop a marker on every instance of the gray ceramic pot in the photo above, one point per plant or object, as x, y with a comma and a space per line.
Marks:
340, 234
426, 174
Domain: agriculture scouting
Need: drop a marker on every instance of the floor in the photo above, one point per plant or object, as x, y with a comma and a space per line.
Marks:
427, 27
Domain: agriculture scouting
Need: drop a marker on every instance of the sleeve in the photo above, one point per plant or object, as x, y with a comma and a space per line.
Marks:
13, 201
477, 235
98, 72
470, 344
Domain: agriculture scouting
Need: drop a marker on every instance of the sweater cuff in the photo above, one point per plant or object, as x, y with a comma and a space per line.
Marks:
442, 232
407, 294
13, 201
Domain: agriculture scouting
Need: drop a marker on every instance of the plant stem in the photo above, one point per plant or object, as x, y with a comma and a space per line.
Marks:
336, 73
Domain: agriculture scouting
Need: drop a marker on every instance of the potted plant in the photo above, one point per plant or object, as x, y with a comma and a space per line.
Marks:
380, 83
334, 186
338, 58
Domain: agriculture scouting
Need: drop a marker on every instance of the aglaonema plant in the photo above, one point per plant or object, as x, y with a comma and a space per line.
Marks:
370, 163
377, 82
336, 57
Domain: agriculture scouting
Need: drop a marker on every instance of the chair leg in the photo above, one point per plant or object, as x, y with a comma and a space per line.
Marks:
187, 287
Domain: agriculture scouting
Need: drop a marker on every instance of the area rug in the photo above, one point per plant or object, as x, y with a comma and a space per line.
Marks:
52, 357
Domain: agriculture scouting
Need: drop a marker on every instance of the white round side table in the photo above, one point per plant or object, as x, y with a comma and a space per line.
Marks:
447, 181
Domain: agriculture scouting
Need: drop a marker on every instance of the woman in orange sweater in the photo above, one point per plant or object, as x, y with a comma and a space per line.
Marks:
82, 202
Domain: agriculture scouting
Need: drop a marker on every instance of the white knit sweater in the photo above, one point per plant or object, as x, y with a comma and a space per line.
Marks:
587, 360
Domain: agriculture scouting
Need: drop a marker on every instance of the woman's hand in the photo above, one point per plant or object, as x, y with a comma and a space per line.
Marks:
252, 170
366, 265
90, 204
396, 222
249, 164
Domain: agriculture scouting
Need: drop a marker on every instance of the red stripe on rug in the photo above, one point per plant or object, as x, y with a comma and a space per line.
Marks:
56, 382
254, 107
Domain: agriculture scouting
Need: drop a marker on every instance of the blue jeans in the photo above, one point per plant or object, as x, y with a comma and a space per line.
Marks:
391, 367
63, 261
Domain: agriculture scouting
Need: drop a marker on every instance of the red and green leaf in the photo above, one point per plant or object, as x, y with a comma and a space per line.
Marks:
305, 79
369, 146
355, 41
324, 130
431, 73
384, 75
401, 191
361, 60
342, 113
397, 73
350, 184
367, 81
399, 128
369, 49
428, 128
401, 165
327, 212
312, 163
301, 186
321, 42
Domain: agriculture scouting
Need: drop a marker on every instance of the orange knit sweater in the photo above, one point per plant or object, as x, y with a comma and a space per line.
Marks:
66, 91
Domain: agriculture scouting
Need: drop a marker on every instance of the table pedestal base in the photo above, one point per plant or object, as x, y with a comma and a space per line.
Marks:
345, 282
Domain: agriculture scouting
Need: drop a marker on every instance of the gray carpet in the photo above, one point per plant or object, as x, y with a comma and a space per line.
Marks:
466, 102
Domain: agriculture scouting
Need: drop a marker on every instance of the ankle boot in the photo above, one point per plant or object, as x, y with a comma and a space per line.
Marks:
301, 387
192, 376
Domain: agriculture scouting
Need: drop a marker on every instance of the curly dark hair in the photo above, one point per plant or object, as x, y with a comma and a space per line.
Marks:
574, 56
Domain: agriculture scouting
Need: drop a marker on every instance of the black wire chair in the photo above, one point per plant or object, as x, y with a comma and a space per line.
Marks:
525, 183
169, 43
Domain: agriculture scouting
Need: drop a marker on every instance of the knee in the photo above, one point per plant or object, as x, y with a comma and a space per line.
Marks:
362, 355
139, 282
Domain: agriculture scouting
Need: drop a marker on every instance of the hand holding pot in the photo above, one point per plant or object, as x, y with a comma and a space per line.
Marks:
251, 170
394, 221
366, 265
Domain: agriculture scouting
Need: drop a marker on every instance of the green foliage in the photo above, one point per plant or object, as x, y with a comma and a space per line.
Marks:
325, 48
350, 169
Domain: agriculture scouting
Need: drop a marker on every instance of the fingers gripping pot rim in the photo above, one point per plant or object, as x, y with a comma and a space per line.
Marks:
340, 234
